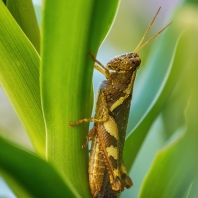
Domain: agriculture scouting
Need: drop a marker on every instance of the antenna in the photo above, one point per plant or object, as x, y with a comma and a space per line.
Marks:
139, 46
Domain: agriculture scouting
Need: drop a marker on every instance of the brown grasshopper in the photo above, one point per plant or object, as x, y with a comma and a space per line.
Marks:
107, 173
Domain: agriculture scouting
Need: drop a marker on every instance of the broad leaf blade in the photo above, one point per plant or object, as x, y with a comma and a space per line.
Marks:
70, 30
19, 75
23, 12
30, 176
171, 76
175, 167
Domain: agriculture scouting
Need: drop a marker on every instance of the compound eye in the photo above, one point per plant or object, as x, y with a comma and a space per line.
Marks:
132, 60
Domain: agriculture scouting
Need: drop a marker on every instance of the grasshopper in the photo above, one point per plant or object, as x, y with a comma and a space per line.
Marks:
107, 173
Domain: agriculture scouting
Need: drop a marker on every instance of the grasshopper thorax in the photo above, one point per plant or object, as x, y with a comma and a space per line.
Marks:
125, 62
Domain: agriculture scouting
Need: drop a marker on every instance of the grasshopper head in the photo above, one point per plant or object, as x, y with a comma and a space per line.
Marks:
125, 62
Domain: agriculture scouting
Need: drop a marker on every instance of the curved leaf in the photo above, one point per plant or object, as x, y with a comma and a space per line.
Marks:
30, 176
19, 75
156, 99
175, 167
23, 12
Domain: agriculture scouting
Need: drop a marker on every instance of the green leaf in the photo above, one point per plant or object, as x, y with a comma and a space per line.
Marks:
191, 1
175, 167
158, 84
193, 189
4, 1
30, 176
23, 12
19, 76
187, 193
70, 30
